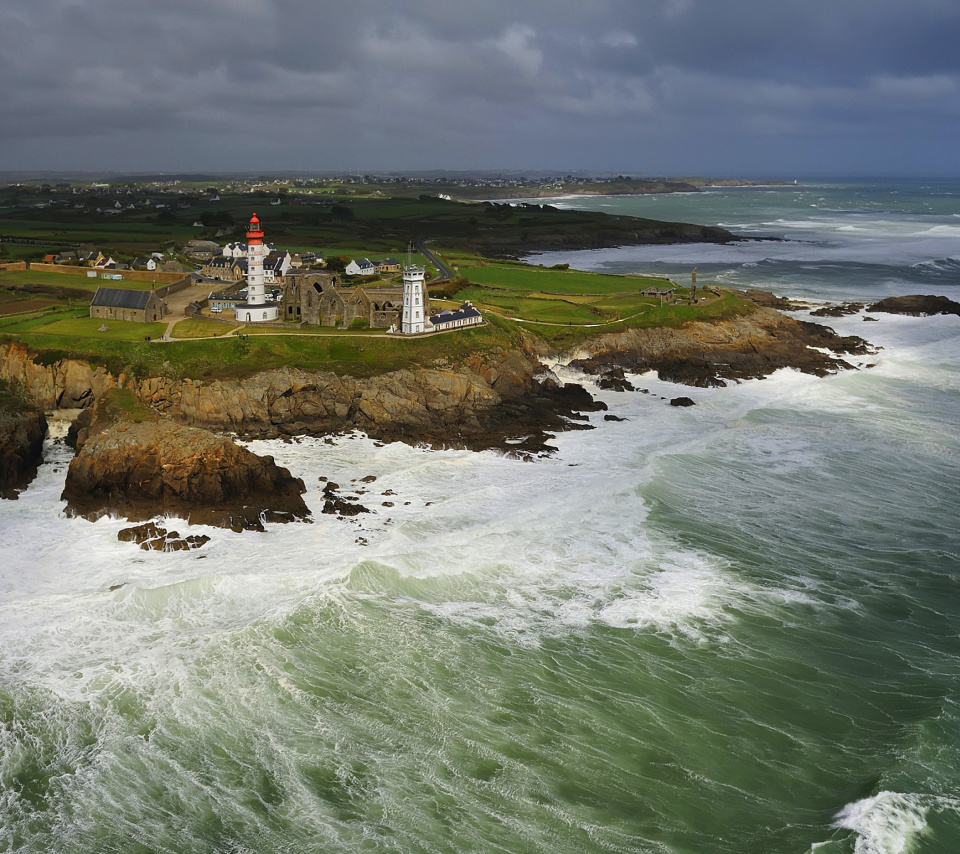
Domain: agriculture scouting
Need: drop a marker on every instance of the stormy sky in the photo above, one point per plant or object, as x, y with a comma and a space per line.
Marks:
657, 87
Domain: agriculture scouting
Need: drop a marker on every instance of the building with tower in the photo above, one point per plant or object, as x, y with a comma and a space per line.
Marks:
256, 309
413, 319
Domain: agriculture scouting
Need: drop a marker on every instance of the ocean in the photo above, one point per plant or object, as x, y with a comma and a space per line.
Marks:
728, 628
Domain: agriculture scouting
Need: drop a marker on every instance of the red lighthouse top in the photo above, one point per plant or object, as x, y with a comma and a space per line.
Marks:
254, 231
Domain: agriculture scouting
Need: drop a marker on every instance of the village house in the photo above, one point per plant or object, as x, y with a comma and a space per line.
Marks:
275, 267
363, 267
224, 268
225, 301
387, 265
200, 250
125, 304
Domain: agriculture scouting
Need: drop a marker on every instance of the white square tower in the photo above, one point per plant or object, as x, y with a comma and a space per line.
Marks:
412, 321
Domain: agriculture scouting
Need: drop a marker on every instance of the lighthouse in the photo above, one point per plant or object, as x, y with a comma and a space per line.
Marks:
255, 309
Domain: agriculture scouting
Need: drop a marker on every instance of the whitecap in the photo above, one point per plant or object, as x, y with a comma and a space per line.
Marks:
890, 822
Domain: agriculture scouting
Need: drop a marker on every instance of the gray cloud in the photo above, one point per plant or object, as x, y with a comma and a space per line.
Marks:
657, 86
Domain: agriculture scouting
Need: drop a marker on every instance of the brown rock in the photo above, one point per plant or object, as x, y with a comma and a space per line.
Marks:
161, 468
710, 354
22, 429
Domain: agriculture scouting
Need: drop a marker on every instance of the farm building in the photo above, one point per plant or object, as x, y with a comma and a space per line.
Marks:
125, 304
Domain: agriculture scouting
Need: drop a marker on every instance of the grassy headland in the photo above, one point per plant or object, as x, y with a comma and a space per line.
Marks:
48, 311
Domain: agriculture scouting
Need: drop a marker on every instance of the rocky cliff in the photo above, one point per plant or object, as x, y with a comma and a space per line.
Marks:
22, 429
482, 403
710, 354
139, 469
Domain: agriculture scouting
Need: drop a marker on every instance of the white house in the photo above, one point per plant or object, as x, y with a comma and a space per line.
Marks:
239, 250
363, 267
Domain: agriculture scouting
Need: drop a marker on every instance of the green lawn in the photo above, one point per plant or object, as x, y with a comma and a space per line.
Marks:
200, 327
526, 277
89, 327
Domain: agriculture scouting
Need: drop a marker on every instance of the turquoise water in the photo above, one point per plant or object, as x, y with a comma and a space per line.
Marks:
728, 628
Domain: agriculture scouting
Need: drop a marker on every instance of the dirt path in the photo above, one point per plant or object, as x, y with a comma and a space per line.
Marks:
178, 302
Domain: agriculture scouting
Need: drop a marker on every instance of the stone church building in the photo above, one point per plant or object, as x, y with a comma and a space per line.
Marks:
317, 298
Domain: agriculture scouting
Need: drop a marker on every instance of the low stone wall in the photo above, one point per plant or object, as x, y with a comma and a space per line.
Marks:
180, 285
129, 275
13, 266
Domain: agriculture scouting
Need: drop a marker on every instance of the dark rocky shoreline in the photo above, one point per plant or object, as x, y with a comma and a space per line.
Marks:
171, 455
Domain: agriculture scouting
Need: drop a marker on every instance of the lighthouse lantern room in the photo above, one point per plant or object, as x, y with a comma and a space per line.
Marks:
255, 309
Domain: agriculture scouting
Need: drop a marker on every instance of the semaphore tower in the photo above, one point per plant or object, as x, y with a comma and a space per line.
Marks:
255, 309
412, 320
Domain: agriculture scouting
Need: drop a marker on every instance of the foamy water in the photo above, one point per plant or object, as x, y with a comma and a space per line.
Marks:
727, 628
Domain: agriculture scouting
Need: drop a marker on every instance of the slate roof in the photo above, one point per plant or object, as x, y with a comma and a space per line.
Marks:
121, 298
449, 316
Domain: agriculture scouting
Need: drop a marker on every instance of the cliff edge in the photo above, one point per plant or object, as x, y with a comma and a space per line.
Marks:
22, 429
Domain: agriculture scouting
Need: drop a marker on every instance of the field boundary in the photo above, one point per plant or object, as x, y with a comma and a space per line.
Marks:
132, 275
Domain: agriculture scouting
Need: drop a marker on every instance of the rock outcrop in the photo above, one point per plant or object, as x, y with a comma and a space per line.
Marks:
53, 381
141, 469
22, 429
918, 305
710, 354
479, 405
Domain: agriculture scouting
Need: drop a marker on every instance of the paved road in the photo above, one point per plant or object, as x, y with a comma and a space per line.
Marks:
443, 269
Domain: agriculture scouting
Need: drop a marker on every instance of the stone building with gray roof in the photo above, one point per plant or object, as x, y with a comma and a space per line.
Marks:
127, 304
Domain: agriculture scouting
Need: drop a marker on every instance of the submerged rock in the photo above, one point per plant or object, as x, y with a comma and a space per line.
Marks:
682, 401
614, 380
151, 537
841, 310
340, 505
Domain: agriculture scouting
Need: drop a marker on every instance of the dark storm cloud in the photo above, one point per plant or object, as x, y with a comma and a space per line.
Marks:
656, 85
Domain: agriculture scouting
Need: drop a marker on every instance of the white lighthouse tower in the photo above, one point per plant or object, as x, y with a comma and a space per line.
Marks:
412, 321
255, 309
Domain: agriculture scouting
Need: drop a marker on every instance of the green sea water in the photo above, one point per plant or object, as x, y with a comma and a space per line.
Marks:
728, 628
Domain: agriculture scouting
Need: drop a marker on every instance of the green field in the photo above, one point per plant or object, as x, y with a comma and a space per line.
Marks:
69, 324
516, 274
72, 281
551, 295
